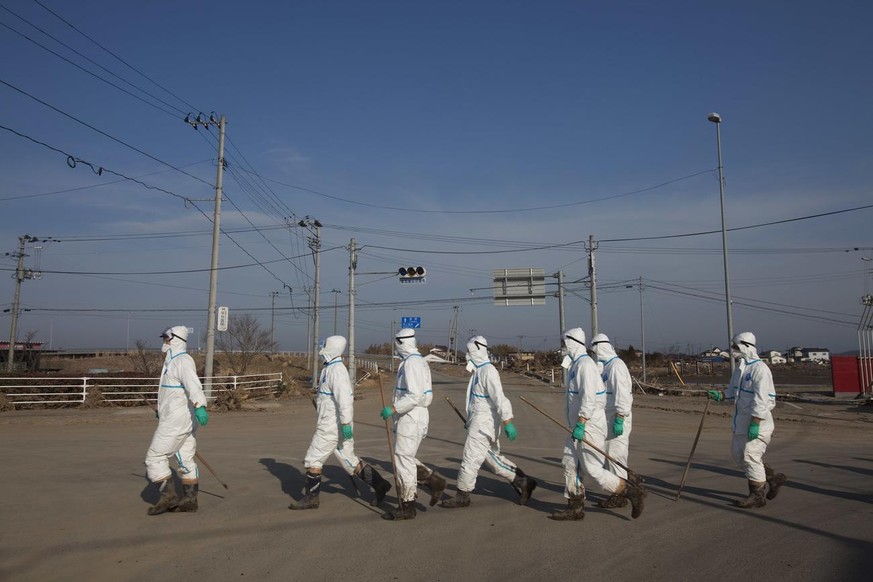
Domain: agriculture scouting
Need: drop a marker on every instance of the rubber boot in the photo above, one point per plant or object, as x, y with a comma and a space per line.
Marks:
405, 510
575, 510
523, 485
756, 495
380, 486
636, 494
774, 480
189, 497
168, 500
313, 487
434, 482
613, 501
461, 499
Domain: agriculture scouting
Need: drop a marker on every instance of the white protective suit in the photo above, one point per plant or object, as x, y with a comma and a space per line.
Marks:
413, 393
619, 400
180, 392
335, 407
586, 399
754, 395
487, 410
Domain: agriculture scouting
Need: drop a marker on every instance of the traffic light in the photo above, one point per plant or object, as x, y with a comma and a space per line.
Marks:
412, 274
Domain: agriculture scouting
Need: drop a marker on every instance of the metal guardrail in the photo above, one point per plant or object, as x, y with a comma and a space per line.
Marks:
60, 391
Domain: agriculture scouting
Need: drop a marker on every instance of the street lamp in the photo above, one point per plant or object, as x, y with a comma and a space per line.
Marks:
716, 119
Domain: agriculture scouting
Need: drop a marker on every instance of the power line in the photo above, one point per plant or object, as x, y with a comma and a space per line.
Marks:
134, 69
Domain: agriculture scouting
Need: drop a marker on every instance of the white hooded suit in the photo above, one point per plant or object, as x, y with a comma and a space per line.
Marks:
619, 400
179, 394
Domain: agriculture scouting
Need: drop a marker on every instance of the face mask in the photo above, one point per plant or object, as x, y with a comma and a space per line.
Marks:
165, 348
566, 362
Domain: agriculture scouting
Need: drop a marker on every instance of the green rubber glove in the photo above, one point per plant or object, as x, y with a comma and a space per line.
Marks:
715, 395
754, 430
202, 416
579, 431
386, 413
347, 432
618, 426
511, 432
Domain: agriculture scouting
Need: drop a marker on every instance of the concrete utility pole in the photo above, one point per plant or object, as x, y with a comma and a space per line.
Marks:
273, 317
642, 329
353, 264
20, 275
560, 294
216, 235
314, 227
335, 293
592, 274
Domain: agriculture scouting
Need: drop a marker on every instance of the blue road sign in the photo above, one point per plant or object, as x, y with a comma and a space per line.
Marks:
410, 322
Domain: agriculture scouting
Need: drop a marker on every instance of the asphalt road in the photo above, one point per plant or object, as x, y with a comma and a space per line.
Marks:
74, 499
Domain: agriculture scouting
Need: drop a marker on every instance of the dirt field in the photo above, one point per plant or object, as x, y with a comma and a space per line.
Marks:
74, 500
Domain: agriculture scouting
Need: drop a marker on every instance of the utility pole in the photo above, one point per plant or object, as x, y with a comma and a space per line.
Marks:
353, 264
453, 336
273, 317
592, 274
335, 293
642, 329
20, 275
314, 226
216, 234
560, 294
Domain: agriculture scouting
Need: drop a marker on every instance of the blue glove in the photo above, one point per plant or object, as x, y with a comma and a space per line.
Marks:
579, 431
754, 430
715, 395
618, 426
511, 433
347, 432
386, 413
201, 415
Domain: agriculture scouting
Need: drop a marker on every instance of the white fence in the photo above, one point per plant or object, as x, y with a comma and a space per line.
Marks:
61, 391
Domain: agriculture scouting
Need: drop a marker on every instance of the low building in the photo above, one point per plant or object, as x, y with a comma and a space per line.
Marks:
773, 357
801, 354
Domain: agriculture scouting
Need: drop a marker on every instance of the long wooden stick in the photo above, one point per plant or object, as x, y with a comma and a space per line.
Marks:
390, 446
635, 476
693, 448
196, 453
458, 412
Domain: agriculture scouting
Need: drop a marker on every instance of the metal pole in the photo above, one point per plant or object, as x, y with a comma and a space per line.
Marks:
335, 293
560, 276
592, 273
316, 250
213, 272
273, 316
19, 276
716, 119
642, 329
353, 263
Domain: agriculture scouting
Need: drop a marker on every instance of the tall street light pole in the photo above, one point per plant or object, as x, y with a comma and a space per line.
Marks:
716, 119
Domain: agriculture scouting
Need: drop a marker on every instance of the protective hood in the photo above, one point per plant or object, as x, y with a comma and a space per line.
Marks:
406, 342
744, 343
574, 345
178, 336
601, 347
477, 350
334, 346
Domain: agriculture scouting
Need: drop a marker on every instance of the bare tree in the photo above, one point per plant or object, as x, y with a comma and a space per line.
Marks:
145, 360
243, 341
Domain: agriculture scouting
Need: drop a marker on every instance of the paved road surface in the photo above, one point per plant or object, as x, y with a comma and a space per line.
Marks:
73, 503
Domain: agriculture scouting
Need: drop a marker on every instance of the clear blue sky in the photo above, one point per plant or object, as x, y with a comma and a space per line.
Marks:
422, 129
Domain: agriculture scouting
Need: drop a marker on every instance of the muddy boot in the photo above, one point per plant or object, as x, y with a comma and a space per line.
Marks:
461, 499
189, 497
774, 480
613, 501
380, 486
405, 510
313, 487
523, 485
437, 485
575, 510
168, 500
636, 494
756, 495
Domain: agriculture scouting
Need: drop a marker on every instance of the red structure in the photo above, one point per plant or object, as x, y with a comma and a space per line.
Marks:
846, 376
